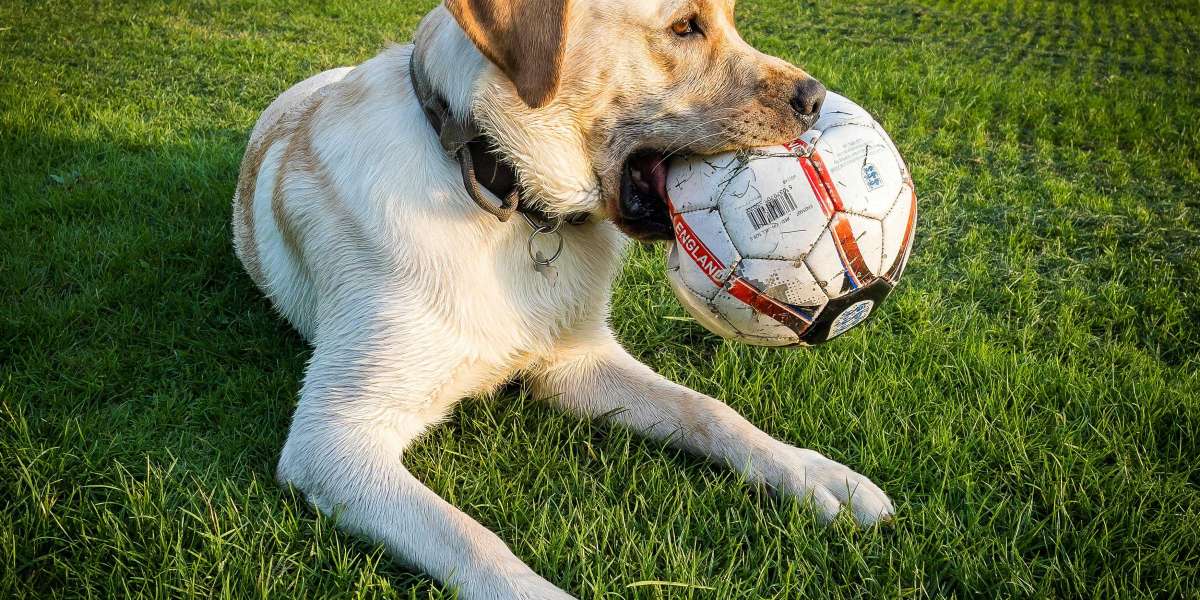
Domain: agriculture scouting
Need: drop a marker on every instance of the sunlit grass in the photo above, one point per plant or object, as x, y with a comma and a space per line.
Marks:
1028, 396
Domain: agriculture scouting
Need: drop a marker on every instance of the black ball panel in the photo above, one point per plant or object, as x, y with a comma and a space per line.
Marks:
828, 321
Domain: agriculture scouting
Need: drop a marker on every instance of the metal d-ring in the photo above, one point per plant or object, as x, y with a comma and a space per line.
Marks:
551, 228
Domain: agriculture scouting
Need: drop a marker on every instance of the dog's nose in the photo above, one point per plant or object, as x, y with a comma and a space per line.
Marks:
807, 101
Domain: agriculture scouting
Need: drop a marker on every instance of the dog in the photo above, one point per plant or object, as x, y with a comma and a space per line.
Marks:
365, 230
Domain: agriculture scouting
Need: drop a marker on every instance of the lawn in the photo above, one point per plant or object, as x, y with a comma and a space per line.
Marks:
1029, 396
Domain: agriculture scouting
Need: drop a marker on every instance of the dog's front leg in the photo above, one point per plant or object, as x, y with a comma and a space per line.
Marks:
359, 409
596, 377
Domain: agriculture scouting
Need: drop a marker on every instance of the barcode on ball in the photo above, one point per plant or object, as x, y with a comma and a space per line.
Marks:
772, 209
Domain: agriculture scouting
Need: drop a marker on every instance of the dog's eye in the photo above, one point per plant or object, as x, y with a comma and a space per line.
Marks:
685, 27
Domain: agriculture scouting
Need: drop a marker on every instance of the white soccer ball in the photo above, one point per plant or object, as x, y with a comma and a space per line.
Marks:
794, 244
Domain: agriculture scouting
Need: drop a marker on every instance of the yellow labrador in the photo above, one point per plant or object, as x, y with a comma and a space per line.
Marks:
356, 222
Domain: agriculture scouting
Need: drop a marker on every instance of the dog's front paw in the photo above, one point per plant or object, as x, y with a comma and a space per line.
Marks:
830, 485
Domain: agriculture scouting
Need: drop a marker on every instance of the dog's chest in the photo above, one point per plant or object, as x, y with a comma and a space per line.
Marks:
505, 304
574, 286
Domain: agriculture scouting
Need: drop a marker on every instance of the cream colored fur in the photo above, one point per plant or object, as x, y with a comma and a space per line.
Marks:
356, 226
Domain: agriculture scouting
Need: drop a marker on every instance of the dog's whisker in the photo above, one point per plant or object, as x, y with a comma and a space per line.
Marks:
676, 150
677, 144
677, 138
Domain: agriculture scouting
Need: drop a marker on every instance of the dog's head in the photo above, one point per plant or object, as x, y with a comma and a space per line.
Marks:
587, 98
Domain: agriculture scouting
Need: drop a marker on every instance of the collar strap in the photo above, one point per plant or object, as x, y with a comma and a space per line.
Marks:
471, 148
458, 138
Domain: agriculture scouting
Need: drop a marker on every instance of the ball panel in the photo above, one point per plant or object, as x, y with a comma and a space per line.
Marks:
898, 226
753, 326
705, 291
839, 110
847, 312
868, 236
695, 183
789, 282
825, 264
891, 144
865, 174
703, 250
774, 212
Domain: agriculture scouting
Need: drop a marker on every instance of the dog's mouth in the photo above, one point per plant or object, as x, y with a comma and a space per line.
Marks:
641, 210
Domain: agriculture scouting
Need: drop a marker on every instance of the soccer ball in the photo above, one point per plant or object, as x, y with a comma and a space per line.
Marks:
794, 244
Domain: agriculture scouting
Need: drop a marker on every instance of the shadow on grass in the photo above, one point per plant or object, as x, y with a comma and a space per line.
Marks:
148, 381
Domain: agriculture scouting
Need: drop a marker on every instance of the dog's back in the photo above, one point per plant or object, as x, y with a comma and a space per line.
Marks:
249, 243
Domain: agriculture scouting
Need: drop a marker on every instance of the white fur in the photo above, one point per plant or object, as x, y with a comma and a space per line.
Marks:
414, 298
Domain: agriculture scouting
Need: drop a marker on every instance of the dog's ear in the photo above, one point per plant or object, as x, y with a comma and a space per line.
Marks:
525, 38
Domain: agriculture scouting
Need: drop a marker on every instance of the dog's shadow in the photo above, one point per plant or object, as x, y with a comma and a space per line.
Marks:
150, 361
146, 384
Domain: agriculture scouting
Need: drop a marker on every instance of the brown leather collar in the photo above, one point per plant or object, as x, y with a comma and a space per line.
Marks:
473, 150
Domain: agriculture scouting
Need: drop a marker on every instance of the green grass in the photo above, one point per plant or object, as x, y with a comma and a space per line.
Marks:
1029, 397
